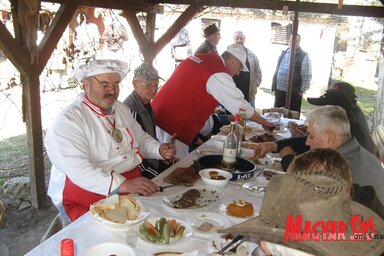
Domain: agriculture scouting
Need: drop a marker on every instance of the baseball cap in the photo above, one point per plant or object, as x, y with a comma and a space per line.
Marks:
332, 97
97, 67
146, 71
211, 29
347, 88
240, 54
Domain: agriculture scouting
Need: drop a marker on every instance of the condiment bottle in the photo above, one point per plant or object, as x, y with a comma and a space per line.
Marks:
67, 247
230, 149
243, 117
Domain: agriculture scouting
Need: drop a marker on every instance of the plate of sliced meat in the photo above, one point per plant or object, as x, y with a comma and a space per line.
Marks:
194, 199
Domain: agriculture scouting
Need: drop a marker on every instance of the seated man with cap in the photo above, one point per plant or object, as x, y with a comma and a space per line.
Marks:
146, 83
96, 146
212, 38
185, 103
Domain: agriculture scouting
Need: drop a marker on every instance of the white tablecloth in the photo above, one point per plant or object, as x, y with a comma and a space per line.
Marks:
87, 232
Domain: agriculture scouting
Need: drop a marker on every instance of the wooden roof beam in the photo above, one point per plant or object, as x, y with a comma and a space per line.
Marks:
348, 10
142, 6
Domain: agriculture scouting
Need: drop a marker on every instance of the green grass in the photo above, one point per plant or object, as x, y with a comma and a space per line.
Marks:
366, 100
13, 149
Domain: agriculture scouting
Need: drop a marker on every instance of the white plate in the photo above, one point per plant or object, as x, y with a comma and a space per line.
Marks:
244, 249
208, 196
218, 221
253, 184
167, 253
223, 210
144, 213
187, 232
280, 129
263, 178
111, 249
208, 151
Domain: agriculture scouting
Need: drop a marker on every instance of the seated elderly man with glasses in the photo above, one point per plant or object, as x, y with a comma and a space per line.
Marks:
96, 146
146, 83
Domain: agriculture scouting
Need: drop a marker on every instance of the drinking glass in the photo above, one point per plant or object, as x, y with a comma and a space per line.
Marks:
131, 236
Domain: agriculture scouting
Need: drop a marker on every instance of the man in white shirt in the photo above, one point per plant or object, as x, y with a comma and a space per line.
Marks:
96, 146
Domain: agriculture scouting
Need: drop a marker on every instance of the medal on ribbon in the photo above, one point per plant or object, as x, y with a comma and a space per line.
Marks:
117, 135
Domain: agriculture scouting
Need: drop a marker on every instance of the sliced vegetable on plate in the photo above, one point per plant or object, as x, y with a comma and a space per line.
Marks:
164, 230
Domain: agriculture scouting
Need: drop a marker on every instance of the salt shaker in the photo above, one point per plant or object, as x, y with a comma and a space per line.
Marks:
67, 247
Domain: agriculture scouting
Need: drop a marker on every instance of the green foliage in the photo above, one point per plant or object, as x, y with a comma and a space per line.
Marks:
13, 149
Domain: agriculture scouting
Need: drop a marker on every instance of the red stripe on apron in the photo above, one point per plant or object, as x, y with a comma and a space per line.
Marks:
76, 201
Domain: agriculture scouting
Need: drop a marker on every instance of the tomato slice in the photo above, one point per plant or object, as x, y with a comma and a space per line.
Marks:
176, 228
151, 228
171, 223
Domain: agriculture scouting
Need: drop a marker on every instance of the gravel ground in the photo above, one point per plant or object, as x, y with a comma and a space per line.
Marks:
22, 230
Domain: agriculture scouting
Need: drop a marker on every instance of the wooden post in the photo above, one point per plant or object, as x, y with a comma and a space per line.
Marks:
292, 58
31, 96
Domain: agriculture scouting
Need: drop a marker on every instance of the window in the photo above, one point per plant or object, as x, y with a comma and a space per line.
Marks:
280, 34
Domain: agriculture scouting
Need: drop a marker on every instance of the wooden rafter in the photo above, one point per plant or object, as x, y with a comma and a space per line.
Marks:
181, 22
53, 34
11, 48
311, 7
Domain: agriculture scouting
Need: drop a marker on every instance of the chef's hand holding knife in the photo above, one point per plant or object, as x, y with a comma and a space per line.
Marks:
168, 150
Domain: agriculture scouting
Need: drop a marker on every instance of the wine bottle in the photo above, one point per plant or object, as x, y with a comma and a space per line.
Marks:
239, 132
230, 149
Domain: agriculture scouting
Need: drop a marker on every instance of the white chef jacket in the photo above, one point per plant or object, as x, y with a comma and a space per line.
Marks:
80, 145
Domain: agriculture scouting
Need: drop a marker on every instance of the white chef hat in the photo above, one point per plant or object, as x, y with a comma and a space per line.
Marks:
97, 67
238, 51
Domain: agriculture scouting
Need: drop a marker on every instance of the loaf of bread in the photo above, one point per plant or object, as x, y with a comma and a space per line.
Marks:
118, 209
240, 209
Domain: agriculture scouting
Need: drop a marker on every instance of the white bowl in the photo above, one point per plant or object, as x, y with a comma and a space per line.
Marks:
144, 213
206, 177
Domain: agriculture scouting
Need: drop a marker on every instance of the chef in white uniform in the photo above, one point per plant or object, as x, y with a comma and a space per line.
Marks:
96, 146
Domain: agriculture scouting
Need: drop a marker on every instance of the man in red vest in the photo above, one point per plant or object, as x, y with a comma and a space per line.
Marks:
185, 103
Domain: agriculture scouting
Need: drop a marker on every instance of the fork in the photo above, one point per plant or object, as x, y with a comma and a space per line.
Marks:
234, 249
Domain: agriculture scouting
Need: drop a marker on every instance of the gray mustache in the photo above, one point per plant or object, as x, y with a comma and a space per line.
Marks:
110, 95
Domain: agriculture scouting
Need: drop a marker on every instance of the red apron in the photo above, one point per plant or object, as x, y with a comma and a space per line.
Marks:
76, 201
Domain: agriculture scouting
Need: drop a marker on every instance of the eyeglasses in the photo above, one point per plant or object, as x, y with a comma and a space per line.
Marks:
108, 86
149, 85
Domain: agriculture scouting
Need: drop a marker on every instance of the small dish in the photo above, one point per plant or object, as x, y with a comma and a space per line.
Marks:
251, 188
208, 196
111, 249
215, 177
216, 244
144, 213
223, 210
198, 220
186, 235
169, 253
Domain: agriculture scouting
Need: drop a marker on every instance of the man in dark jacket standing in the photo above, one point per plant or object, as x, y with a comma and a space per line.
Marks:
301, 78
212, 38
